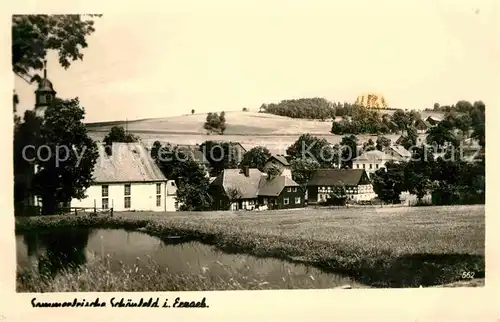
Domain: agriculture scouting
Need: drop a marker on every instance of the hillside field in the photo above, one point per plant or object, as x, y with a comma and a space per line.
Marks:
249, 128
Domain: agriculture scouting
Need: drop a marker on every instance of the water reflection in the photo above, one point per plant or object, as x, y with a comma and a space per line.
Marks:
55, 250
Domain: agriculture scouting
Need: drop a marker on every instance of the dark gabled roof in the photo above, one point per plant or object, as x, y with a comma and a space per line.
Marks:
336, 177
280, 158
273, 187
422, 122
235, 179
256, 184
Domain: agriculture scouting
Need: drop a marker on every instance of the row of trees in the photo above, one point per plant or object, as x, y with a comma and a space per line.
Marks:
450, 181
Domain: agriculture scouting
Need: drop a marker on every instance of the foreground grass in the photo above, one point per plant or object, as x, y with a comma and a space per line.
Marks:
379, 247
101, 274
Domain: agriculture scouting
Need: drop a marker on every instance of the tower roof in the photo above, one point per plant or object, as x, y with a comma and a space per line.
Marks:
45, 85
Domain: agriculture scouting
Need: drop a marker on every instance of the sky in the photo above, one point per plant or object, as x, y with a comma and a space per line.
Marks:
229, 55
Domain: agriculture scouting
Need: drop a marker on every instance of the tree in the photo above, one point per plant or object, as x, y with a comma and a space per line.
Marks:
388, 183
382, 142
214, 122
233, 195
34, 35
440, 135
26, 133
221, 155
418, 172
309, 146
349, 150
66, 162
192, 111
244, 109
302, 169
273, 171
255, 158
118, 134
190, 177
369, 145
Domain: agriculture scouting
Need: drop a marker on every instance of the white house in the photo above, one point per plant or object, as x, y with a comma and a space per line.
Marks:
371, 161
126, 178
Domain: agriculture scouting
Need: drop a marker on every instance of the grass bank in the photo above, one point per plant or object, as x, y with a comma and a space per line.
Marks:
378, 247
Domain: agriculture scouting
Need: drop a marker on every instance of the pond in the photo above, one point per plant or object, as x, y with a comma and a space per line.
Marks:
55, 250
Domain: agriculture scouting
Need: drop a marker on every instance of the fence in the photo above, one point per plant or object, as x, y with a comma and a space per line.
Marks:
30, 211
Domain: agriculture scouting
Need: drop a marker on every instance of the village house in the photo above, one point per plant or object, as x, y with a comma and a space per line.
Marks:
433, 120
126, 178
422, 126
281, 163
325, 182
398, 151
371, 161
248, 189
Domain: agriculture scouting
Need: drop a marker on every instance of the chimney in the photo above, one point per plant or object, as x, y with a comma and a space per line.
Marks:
45, 69
246, 171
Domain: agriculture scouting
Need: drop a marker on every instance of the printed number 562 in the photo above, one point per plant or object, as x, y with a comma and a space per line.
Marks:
468, 275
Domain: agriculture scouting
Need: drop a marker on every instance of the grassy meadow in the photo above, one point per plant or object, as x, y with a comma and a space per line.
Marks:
375, 247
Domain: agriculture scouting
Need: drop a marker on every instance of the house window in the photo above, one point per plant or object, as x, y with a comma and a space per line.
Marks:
371, 165
295, 189
105, 190
158, 195
289, 189
376, 166
105, 203
286, 201
297, 200
127, 201
104, 195
357, 166
363, 165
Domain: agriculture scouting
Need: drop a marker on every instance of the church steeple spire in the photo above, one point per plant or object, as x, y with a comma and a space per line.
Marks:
45, 93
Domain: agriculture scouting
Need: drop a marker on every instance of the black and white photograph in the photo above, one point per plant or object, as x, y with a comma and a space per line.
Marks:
314, 145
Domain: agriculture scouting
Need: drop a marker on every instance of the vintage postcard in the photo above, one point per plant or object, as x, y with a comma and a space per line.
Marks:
320, 159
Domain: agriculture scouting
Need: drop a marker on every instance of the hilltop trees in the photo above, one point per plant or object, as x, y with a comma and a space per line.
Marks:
310, 108
68, 156
216, 123
255, 158
192, 111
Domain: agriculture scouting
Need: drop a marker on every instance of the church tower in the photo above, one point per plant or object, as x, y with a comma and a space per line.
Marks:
44, 94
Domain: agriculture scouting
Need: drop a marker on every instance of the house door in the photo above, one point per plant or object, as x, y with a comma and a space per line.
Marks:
240, 205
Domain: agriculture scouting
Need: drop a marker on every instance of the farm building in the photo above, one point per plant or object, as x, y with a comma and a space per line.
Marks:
371, 161
248, 189
324, 182
398, 151
126, 178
